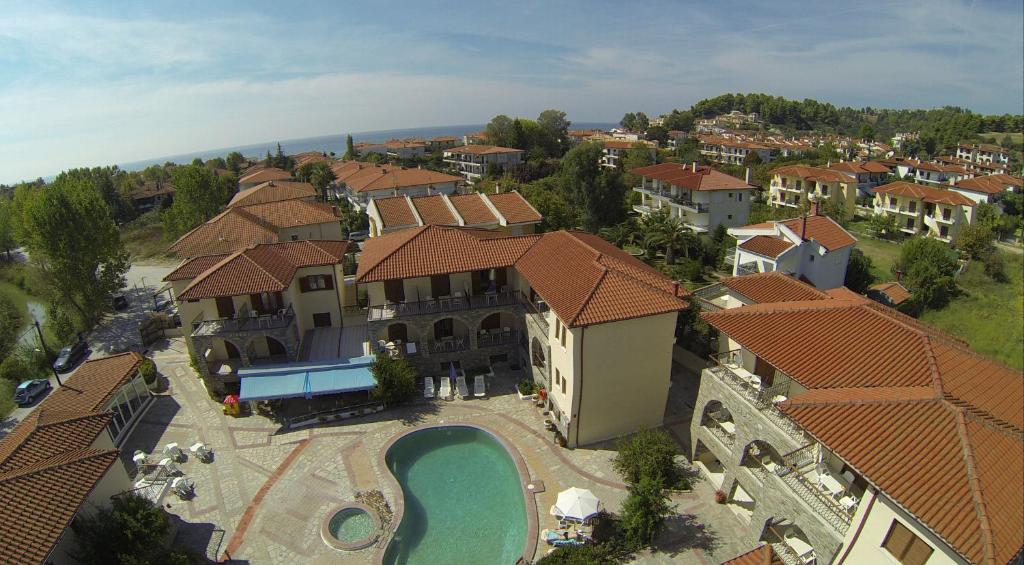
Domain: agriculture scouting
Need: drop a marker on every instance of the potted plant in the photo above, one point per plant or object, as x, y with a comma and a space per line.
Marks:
720, 496
527, 389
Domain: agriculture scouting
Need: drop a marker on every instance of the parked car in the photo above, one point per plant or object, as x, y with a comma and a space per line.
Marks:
120, 301
70, 356
27, 391
358, 235
161, 303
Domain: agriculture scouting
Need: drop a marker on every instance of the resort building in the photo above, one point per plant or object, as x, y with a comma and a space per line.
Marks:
309, 157
442, 142
273, 191
61, 460
151, 194
591, 324
239, 227
363, 182
261, 305
936, 173
792, 185
889, 293
983, 153
920, 209
843, 431
988, 188
508, 212
262, 175
405, 149
812, 247
868, 174
732, 151
474, 161
700, 197
613, 151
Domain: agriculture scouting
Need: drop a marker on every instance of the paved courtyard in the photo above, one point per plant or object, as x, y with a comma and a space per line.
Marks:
264, 495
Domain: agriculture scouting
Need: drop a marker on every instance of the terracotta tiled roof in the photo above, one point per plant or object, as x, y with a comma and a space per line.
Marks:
47, 432
683, 176
291, 213
434, 210
93, 384
763, 288
859, 167
433, 250
514, 208
482, 150
812, 173
925, 193
894, 291
264, 175
38, 501
473, 209
150, 189
763, 555
310, 157
990, 184
822, 229
395, 212
388, 177
192, 268
766, 245
272, 191
228, 231
262, 268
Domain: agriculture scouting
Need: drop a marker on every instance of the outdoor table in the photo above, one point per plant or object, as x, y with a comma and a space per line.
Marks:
410, 348
830, 484
802, 548
729, 427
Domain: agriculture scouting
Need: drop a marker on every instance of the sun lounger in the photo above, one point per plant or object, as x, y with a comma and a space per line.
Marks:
460, 383
428, 387
479, 388
446, 388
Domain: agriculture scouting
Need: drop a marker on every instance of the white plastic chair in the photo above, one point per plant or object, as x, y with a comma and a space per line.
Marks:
173, 451
428, 387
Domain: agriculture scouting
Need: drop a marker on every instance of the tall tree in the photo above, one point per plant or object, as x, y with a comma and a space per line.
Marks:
199, 196
596, 192
638, 155
555, 130
350, 149
321, 176
7, 221
499, 130
858, 272
71, 237
929, 269
234, 161
635, 121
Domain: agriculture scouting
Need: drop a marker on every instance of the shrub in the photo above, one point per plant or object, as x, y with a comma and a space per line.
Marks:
644, 512
131, 530
148, 371
577, 555
720, 496
647, 454
995, 267
975, 240
527, 387
858, 272
396, 379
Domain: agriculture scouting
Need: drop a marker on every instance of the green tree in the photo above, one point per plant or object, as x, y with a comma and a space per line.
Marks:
350, 149
197, 162
644, 512
71, 236
975, 240
396, 379
657, 133
499, 131
104, 181
638, 155
835, 208
132, 531
665, 232
268, 161
678, 120
11, 320
7, 227
866, 132
234, 161
929, 269
858, 272
648, 453
621, 234
199, 196
578, 555
546, 197
281, 161
554, 130
216, 163
321, 177
635, 121
883, 225
596, 192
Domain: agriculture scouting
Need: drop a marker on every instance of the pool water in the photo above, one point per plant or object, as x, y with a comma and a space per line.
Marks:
351, 525
463, 500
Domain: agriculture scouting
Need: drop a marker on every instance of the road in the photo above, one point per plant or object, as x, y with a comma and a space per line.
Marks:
118, 332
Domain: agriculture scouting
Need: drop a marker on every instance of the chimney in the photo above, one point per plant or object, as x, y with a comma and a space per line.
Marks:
803, 229
899, 275
695, 166
746, 177
497, 188
814, 208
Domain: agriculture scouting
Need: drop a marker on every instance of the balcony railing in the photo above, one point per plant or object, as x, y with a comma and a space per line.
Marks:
730, 255
247, 320
497, 339
762, 399
449, 345
442, 305
715, 427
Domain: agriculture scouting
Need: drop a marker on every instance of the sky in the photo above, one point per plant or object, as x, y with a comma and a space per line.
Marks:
89, 83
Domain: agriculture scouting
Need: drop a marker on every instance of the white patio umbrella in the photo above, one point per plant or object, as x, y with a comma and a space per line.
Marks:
576, 503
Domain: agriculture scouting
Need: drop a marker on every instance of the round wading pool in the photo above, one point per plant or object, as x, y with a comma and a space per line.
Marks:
353, 526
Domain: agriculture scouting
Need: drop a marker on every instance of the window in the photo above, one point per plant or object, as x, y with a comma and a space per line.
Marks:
892, 201
295, 237
444, 328
562, 338
730, 216
316, 282
906, 547
812, 258
739, 197
947, 213
558, 377
563, 386
943, 231
912, 207
730, 195
824, 190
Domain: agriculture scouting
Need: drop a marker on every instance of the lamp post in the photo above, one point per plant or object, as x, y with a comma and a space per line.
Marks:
42, 343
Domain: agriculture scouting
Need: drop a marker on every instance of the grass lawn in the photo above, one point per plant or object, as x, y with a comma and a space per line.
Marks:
6, 393
988, 315
144, 238
1016, 136
882, 253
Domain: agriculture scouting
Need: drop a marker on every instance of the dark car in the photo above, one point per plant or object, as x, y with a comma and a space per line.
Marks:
70, 355
27, 391
161, 303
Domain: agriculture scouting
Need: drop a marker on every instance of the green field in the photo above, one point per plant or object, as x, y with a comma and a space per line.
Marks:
144, 238
1016, 136
882, 253
989, 314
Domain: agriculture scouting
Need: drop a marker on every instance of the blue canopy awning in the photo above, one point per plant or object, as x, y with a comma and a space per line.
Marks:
306, 380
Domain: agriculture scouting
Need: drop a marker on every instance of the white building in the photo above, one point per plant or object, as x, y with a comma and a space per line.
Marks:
983, 153
812, 248
989, 187
698, 196
614, 151
472, 161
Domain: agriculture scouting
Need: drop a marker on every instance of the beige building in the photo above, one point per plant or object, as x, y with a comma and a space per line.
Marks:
700, 197
262, 305
792, 185
920, 209
473, 161
594, 325
613, 151
845, 432
508, 212
62, 460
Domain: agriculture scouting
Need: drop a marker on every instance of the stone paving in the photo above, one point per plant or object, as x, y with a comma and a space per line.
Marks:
263, 497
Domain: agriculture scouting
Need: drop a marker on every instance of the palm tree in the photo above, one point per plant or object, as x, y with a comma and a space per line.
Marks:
621, 234
662, 230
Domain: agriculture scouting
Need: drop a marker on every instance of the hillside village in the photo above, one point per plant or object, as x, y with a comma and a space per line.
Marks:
750, 342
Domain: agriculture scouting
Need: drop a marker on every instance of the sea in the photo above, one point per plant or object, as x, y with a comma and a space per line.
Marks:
329, 143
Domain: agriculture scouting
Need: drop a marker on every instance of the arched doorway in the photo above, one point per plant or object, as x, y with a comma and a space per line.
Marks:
231, 351
275, 347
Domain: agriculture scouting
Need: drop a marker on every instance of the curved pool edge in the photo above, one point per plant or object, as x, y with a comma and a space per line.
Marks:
342, 545
398, 511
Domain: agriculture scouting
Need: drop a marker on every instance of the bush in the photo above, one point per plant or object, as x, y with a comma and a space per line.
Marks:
929, 266
148, 371
396, 379
577, 555
975, 240
527, 387
644, 512
132, 530
647, 454
10, 323
995, 268
858, 272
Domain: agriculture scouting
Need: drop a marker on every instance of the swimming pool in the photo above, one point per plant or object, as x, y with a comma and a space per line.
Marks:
464, 501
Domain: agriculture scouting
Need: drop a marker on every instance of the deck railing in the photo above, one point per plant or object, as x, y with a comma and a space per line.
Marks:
760, 398
442, 305
247, 320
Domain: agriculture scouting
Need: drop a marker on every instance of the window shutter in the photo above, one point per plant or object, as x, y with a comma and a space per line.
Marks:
328, 282
303, 284
918, 552
256, 302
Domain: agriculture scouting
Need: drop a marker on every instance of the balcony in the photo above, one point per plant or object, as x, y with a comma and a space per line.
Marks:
449, 345
497, 338
434, 306
728, 370
698, 207
831, 499
730, 255
246, 321
721, 427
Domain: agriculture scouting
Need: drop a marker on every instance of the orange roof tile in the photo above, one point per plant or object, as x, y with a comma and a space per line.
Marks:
192, 268
228, 231
433, 210
482, 150
94, 383
813, 173
773, 286
989, 184
264, 175
473, 209
894, 291
272, 191
395, 212
262, 268
925, 193
292, 213
822, 229
683, 176
47, 432
763, 555
766, 245
389, 177
515, 208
